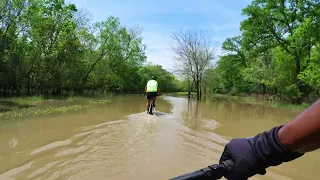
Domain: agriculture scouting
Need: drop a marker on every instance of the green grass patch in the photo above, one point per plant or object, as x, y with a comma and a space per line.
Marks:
294, 107
178, 93
244, 98
31, 100
33, 107
185, 93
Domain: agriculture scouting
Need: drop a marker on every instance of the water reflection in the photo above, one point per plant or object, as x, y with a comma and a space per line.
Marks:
240, 119
121, 141
191, 115
19, 138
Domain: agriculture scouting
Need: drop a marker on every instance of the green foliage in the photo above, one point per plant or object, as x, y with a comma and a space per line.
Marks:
51, 48
311, 75
277, 53
167, 81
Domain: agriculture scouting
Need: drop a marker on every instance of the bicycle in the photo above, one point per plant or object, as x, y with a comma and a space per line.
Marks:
212, 172
151, 107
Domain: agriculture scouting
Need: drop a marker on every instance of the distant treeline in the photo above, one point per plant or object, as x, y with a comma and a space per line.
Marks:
52, 48
277, 54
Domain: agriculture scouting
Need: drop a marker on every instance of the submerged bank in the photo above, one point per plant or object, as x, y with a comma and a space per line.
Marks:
118, 140
249, 99
23, 107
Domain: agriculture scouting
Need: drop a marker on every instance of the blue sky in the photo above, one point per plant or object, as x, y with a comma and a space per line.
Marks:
159, 19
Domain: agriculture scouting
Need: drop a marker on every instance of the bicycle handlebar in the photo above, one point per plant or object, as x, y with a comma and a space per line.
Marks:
215, 171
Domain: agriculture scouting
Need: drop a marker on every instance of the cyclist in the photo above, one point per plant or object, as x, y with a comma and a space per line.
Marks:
153, 90
282, 143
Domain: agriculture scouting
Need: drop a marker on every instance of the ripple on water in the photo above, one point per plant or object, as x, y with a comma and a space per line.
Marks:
139, 147
11, 173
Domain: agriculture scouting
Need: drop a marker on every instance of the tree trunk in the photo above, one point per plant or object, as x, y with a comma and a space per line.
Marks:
198, 90
298, 100
264, 88
189, 89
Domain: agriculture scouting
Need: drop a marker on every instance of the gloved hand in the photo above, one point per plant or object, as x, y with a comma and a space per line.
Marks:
254, 155
245, 162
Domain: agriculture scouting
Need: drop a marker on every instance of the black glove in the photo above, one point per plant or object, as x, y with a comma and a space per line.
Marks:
253, 155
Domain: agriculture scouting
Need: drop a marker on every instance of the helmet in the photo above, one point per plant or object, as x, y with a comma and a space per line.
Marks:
153, 77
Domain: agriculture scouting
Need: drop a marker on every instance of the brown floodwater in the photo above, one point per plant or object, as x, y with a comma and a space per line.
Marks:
120, 140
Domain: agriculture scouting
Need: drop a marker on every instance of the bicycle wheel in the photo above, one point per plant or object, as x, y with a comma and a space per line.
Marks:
151, 108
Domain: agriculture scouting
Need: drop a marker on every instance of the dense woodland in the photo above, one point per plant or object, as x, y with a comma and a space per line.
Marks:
277, 53
52, 48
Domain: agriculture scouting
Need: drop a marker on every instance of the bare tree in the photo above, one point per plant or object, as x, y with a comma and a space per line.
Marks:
193, 55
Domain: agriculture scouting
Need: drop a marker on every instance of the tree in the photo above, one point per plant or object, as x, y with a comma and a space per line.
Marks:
292, 25
114, 55
193, 55
51, 48
167, 81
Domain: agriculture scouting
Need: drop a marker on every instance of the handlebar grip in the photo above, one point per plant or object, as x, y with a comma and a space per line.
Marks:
228, 165
215, 171
200, 174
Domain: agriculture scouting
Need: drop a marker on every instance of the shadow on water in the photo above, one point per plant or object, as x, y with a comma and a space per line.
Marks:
159, 113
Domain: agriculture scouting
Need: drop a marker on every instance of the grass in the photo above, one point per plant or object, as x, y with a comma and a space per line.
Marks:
23, 107
33, 106
244, 98
31, 100
294, 107
179, 93
184, 93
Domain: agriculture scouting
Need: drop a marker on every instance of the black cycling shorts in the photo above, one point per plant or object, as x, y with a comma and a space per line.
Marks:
151, 95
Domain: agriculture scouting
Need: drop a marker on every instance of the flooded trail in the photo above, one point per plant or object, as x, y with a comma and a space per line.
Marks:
121, 141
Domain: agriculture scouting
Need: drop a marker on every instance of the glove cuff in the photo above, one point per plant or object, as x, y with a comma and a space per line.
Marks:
269, 150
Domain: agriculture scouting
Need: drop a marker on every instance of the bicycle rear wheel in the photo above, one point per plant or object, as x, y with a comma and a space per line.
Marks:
151, 108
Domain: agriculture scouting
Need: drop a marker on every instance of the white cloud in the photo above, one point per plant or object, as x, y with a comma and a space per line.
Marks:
157, 34
217, 51
159, 47
165, 59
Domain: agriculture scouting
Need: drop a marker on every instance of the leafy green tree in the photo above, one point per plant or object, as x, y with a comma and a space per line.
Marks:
289, 24
167, 81
51, 48
276, 53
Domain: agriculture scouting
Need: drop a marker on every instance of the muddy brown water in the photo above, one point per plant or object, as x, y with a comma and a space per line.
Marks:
120, 141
